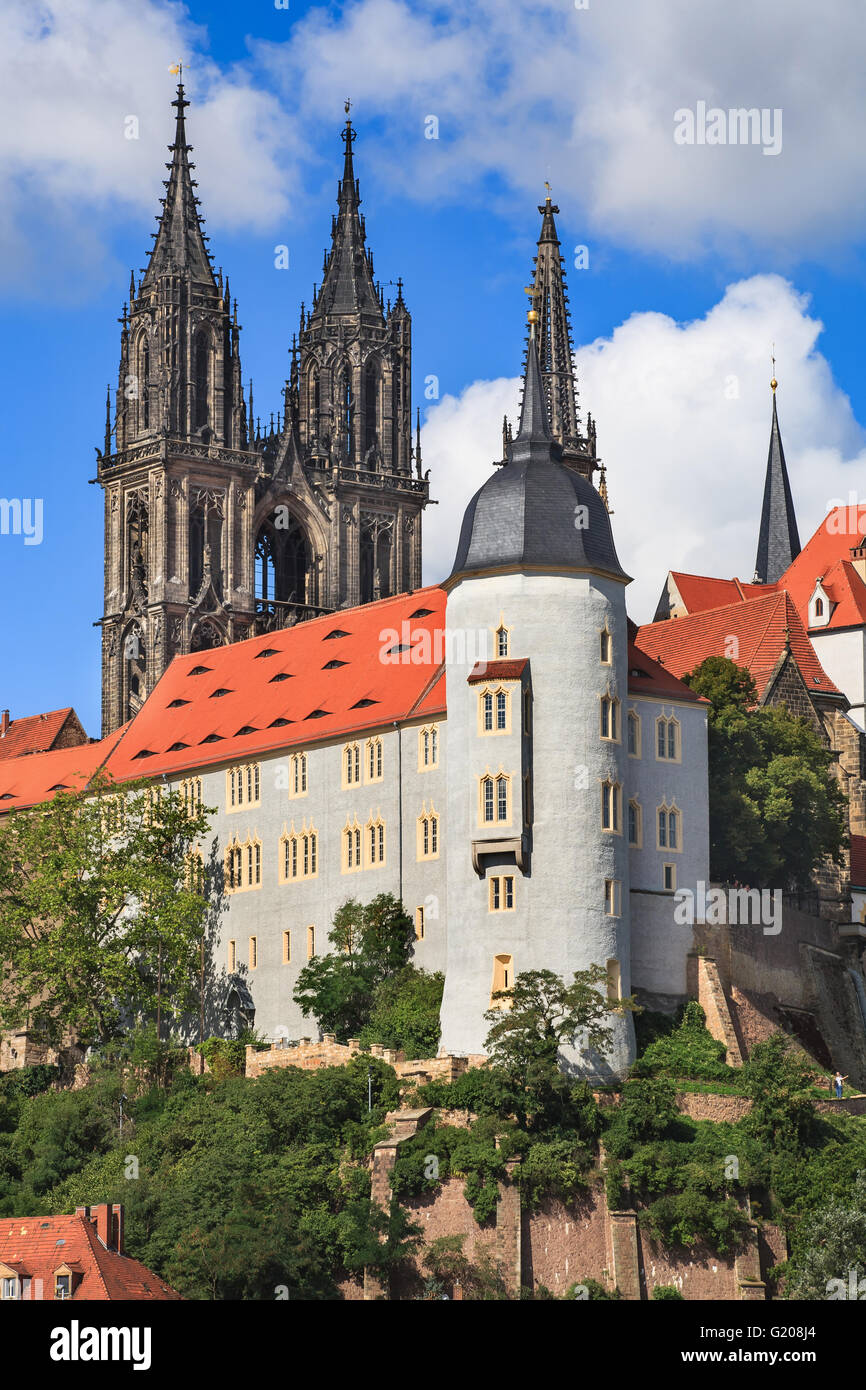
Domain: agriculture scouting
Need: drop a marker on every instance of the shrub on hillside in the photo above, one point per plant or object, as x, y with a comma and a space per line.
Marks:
689, 1051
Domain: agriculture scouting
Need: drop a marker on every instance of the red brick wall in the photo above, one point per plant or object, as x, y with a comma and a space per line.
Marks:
697, 1273
701, 1105
563, 1245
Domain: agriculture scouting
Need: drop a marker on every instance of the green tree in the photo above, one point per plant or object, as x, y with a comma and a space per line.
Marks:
830, 1248
405, 1012
449, 1268
776, 810
371, 943
779, 1080
536, 1017
689, 1051
103, 910
259, 1250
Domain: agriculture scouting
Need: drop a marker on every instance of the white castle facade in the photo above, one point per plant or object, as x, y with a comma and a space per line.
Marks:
540, 815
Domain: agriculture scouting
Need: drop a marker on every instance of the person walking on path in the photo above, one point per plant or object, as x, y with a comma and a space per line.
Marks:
838, 1079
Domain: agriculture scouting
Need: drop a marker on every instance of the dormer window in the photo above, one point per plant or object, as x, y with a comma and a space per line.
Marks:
819, 605
63, 1285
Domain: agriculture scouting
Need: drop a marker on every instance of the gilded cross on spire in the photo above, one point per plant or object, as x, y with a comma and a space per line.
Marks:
774, 383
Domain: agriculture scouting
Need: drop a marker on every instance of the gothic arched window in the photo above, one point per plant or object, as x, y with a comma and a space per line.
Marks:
285, 569
201, 377
144, 387
313, 400
383, 564
372, 379
205, 542
265, 568
345, 405
135, 669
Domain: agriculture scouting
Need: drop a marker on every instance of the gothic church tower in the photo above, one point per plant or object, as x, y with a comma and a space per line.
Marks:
178, 485
344, 463
216, 530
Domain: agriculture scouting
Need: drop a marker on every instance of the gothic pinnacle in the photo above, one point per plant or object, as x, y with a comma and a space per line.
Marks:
347, 278
180, 244
554, 341
778, 537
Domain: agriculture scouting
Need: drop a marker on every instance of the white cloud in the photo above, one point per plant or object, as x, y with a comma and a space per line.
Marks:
683, 414
523, 91
586, 98
71, 74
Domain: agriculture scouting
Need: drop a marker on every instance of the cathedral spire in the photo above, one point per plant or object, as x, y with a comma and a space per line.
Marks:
347, 284
180, 244
778, 539
533, 408
555, 350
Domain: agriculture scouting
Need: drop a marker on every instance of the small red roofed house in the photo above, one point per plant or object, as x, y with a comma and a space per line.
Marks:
695, 593
827, 583
78, 1258
763, 629
40, 733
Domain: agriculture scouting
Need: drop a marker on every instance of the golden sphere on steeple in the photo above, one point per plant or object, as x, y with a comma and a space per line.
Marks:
532, 316
773, 384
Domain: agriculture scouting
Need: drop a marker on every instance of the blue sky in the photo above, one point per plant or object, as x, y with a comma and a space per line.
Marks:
699, 257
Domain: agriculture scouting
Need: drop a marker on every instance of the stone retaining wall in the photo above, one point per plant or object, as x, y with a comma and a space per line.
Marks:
310, 1055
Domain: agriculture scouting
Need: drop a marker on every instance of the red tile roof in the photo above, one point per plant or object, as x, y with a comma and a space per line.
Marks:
648, 677
700, 592
35, 733
828, 554
39, 776
360, 668
858, 861
36, 1246
759, 628
503, 669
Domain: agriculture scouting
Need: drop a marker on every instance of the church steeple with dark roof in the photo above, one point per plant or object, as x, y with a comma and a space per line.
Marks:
180, 244
535, 513
555, 349
778, 539
347, 286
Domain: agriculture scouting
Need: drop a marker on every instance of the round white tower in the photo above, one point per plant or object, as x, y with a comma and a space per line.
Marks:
536, 842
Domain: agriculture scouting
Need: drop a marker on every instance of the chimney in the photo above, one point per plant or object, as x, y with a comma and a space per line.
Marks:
858, 560
100, 1216
4, 725
117, 1228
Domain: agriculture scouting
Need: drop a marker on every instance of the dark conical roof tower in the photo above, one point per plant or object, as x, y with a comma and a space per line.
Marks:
347, 286
778, 539
556, 351
180, 244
